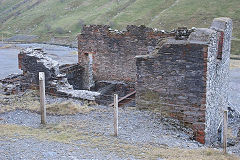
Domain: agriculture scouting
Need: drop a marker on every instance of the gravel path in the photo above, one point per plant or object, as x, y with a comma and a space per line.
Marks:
9, 56
138, 128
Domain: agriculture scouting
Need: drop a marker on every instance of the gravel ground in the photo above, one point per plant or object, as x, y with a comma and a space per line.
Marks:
234, 96
29, 148
135, 127
9, 56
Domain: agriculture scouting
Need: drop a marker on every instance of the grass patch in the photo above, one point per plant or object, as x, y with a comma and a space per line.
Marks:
162, 14
68, 13
30, 101
68, 108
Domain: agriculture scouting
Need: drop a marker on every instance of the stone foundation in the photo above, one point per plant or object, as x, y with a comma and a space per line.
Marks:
183, 75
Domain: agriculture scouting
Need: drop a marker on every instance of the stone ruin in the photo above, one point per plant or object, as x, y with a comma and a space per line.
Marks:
64, 80
182, 74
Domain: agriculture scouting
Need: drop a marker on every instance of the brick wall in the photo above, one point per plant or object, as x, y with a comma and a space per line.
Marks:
114, 52
187, 80
173, 82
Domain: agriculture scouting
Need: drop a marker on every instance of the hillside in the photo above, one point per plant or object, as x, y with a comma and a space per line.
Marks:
64, 18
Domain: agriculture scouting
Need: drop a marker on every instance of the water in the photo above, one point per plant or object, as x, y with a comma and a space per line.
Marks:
9, 56
8, 62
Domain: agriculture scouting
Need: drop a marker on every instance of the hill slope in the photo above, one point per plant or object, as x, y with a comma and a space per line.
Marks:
48, 18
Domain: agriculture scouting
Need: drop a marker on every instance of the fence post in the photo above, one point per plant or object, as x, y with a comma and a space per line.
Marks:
42, 97
225, 128
115, 115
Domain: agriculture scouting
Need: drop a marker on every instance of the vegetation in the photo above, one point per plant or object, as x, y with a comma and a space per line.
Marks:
30, 101
46, 17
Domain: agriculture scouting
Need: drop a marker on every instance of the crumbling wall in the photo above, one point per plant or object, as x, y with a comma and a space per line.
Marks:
187, 80
113, 52
33, 61
74, 74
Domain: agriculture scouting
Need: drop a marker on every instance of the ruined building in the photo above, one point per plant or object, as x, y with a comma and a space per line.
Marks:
183, 74
184, 78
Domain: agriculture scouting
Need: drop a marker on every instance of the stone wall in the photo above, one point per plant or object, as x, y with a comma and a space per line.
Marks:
217, 76
187, 80
173, 82
32, 61
112, 52
74, 74
60, 80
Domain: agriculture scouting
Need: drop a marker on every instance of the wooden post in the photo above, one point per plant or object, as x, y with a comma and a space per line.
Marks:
115, 115
2, 38
225, 127
42, 97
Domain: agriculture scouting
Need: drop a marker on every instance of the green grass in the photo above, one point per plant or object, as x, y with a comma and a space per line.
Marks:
163, 14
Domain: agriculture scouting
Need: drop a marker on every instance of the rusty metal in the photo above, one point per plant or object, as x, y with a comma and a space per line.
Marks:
129, 97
